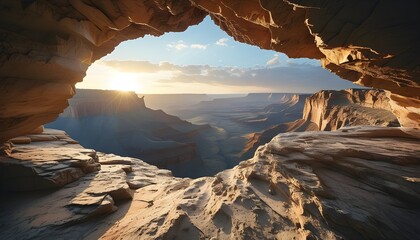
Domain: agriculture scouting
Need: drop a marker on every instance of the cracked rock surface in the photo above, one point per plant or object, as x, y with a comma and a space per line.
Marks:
353, 183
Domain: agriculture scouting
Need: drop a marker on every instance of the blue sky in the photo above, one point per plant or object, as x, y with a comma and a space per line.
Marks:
207, 34
204, 59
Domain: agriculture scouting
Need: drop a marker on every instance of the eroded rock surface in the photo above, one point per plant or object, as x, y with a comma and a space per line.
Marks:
331, 110
45, 161
78, 185
354, 183
47, 46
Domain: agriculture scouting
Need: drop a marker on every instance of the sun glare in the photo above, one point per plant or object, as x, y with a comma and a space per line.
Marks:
124, 82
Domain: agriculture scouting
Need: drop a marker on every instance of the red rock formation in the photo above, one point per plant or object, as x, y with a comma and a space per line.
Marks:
47, 46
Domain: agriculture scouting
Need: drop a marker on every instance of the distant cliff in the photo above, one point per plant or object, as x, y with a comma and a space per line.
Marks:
119, 122
168, 102
92, 102
329, 110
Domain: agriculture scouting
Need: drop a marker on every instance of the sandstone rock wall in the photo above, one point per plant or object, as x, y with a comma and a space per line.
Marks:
331, 110
372, 43
47, 46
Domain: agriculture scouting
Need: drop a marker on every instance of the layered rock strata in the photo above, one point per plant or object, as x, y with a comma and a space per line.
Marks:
331, 110
78, 185
44, 161
354, 183
47, 46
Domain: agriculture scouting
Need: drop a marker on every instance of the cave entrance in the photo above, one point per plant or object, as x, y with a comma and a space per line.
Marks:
197, 101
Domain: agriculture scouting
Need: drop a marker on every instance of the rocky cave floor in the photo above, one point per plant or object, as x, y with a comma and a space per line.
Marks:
354, 183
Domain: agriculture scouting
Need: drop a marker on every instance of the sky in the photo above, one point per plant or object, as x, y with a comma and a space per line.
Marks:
204, 59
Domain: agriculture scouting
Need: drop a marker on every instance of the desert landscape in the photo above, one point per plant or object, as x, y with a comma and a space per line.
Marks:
212, 137
219, 148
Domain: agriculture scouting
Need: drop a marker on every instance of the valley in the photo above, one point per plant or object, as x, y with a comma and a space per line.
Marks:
204, 137
209, 138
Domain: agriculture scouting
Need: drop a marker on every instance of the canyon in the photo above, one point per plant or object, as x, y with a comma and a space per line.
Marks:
294, 186
120, 123
357, 182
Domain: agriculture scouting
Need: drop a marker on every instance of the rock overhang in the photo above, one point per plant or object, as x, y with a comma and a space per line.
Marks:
47, 46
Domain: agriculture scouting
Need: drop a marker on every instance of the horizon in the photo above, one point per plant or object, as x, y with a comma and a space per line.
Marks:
229, 93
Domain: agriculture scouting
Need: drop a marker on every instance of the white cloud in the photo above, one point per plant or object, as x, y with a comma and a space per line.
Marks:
291, 78
198, 46
180, 45
222, 42
273, 61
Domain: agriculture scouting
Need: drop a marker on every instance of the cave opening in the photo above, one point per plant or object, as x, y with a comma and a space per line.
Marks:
196, 102
299, 185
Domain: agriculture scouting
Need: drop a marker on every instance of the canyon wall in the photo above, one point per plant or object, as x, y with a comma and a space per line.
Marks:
120, 123
331, 110
47, 46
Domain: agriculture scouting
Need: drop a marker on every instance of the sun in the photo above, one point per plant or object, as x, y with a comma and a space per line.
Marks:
124, 82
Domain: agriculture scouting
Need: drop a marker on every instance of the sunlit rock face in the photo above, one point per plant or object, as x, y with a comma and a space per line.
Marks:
47, 46
331, 110
36, 163
354, 183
